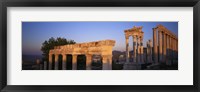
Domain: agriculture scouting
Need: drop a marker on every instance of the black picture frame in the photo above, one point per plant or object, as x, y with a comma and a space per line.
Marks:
99, 3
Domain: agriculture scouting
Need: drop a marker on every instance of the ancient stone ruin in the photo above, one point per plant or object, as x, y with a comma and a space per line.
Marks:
103, 48
163, 49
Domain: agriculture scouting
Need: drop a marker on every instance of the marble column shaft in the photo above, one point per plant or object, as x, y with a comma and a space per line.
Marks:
138, 50
110, 62
167, 48
173, 48
105, 65
155, 48
160, 45
134, 48
50, 62
164, 47
88, 62
64, 62
141, 50
170, 49
150, 50
127, 50
74, 62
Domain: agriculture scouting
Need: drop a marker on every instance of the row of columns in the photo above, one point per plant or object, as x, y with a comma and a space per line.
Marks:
137, 49
106, 59
165, 46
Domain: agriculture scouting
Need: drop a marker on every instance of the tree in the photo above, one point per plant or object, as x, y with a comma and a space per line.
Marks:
48, 45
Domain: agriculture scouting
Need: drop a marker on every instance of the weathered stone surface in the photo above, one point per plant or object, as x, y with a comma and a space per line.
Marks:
167, 41
103, 47
165, 50
137, 35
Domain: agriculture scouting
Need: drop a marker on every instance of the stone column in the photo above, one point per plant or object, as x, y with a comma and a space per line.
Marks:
127, 49
105, 65
150, 50
167, 49
160, 45
109, 58
138, 50
64, 63
134, 48
155, 48
50, 61
74, 62
170, 50
56, 61
141, 50
173, 49
88, 62
164, 47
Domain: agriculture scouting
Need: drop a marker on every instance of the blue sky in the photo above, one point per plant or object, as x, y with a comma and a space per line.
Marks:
35, 33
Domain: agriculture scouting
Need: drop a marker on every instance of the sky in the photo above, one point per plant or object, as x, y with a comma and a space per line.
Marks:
35, 33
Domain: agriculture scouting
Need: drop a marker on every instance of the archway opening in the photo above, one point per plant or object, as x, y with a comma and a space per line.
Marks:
96, 62
60, 62
69, 62
81, 62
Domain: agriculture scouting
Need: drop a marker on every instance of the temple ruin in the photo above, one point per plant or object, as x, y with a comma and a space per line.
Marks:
103, 48
165, 45
163, 49
137, 34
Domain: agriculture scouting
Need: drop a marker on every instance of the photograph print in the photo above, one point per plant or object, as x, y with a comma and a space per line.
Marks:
100, 45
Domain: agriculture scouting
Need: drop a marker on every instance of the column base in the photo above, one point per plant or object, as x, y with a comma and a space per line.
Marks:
74, 67
56, 66
64, 66
105, 66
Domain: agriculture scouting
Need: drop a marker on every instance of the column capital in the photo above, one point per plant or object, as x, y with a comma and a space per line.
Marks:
154, 29
155, 49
